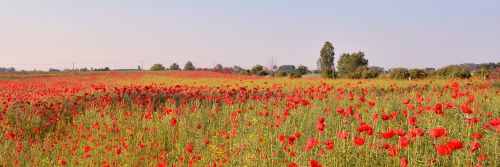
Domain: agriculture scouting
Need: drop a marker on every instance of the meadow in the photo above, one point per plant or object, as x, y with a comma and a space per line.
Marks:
199, 118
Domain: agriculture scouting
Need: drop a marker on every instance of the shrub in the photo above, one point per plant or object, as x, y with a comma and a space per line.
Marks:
453, 71
399, 73
157, 67
417, 74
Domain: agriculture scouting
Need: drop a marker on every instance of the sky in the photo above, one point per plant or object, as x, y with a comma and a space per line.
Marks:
46, 34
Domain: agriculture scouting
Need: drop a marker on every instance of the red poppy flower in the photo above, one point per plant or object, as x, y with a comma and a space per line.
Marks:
173, 122
403, 162
329, 144
443, 150
477, 135
281, 138
388, 134
342, 135
474, 146
189, 148
315, 163
455, 144
359, 141
311, 143
438, 132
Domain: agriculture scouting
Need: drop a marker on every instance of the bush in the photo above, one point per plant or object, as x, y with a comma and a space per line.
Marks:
295, 74
258, 70
453, 71
189, 66
399, 73
174, 66
417, 74
157, 67
482, 73
281, 73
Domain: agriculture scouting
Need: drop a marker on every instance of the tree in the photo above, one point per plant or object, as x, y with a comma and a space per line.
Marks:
157, 67
325, 62
239, 70
189, 66
399, 73
218, 67
258, 70
302, 70
174, 66
378, 70
417, 74
454, 71
351, 65
281, 73
287, 68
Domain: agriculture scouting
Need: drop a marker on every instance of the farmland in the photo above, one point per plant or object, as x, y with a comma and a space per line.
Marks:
199, 118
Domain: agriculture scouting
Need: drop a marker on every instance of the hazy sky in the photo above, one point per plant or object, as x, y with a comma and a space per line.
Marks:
393, 33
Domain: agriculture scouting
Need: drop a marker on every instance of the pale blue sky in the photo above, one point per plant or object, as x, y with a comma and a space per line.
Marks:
392, 33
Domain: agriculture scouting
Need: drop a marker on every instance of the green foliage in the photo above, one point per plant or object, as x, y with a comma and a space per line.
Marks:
295, 74
174, 66
259, 70
287, 68
239, 70
417, 74
353, 65
157, 67
453, 71
218, 67
280, 73
399, 73
482, 73
326, 61
302, 70
189, 66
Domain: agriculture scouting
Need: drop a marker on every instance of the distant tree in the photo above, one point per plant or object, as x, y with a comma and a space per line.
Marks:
366, 73
378, 70
83, 69
281, 73
157, 67
348, 65
259, 70
481, 73
287, 68
174, 66
239, 70
417, 74
218, 67
326, 61
400, 73
189, 66
294, 74
302, 70
54, 70
454, 71
139, 68
4, 69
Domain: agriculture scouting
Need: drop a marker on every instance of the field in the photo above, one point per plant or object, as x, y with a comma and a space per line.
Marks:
213, 119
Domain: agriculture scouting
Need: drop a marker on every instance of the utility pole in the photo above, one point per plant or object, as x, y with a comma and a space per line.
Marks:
73, 66
142, 65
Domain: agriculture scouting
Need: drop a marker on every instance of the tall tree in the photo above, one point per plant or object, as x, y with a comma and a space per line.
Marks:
349, 65
325, 62
189, 66
157, 67
174, 66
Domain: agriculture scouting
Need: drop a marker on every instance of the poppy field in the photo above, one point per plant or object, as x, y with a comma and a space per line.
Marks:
204, 118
